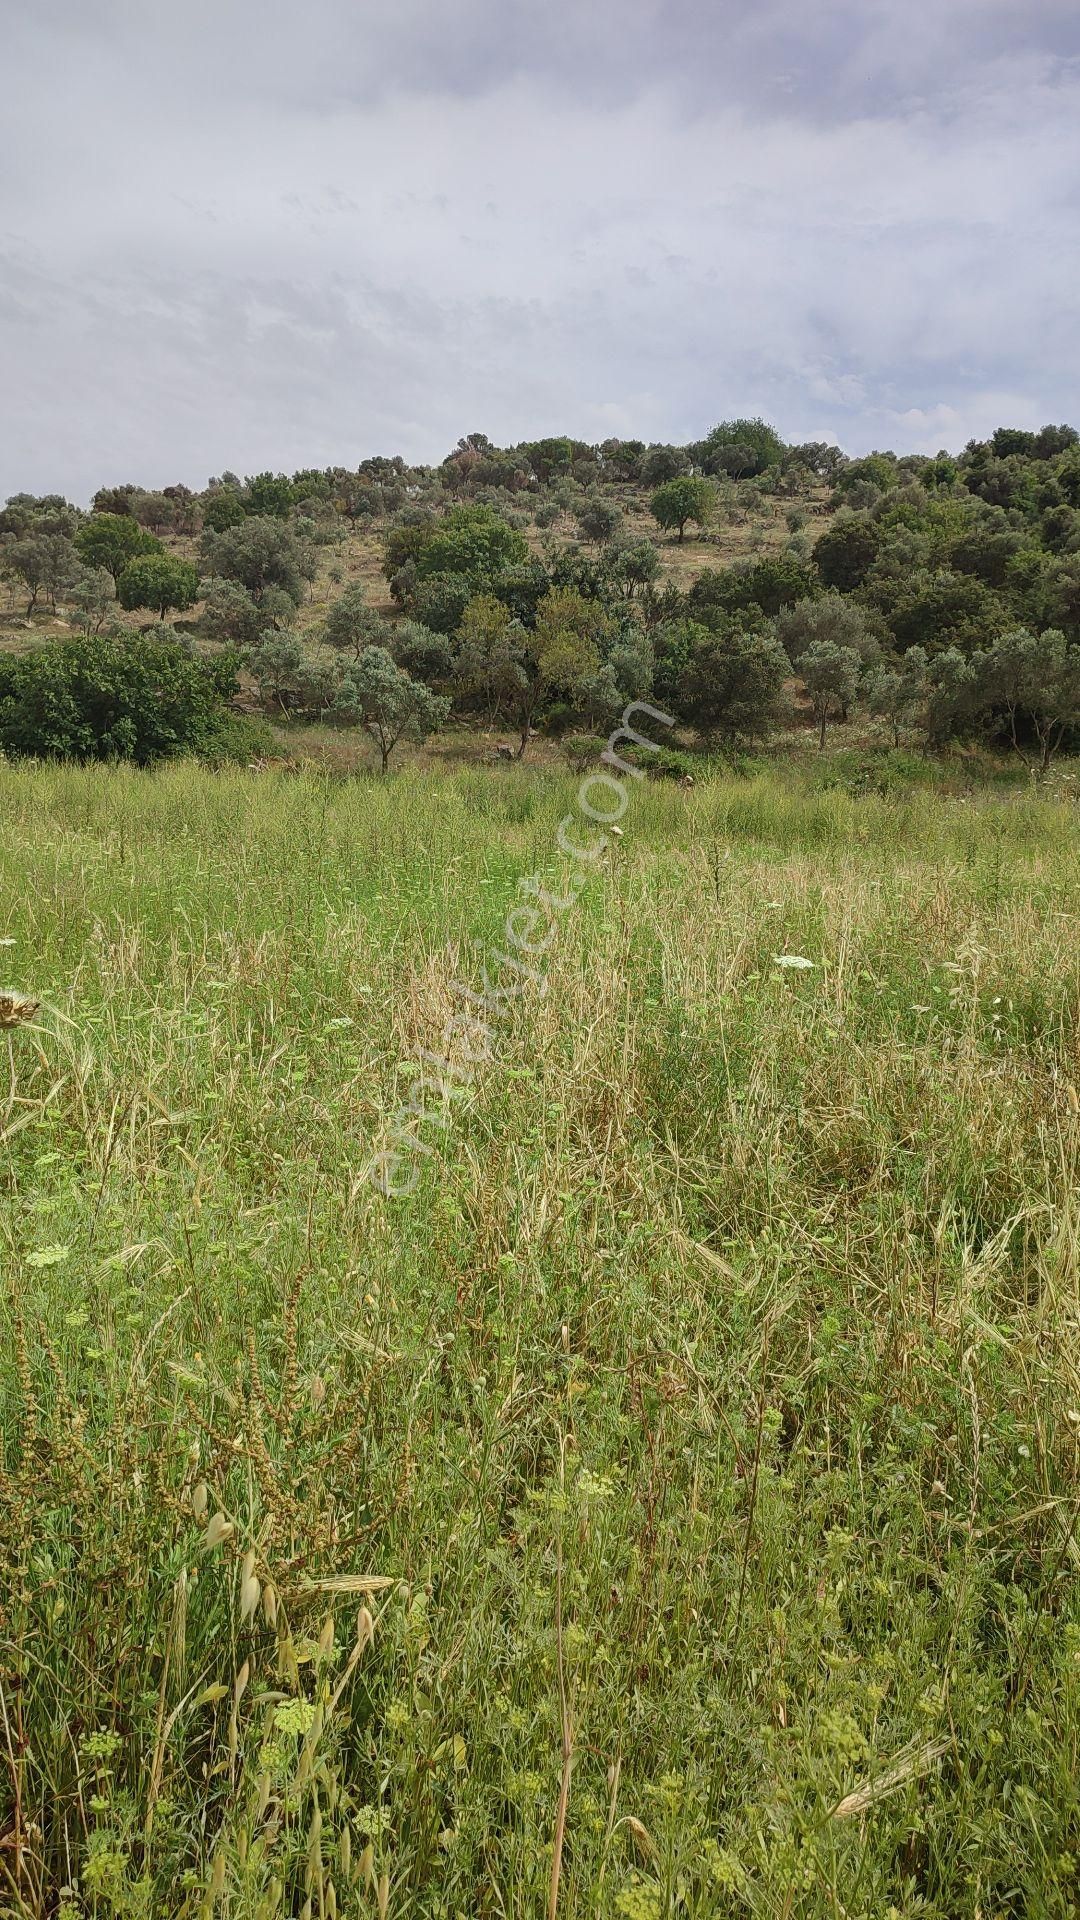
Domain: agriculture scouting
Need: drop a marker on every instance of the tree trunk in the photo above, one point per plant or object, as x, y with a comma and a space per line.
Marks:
821, 735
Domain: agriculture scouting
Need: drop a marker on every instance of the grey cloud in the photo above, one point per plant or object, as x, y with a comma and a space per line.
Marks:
258, 238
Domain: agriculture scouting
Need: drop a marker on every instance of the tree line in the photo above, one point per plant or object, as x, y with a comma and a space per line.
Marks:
942, 594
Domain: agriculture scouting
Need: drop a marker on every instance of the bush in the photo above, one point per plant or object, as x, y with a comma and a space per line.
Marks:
237, 738
122, 698
582, 751
664, 763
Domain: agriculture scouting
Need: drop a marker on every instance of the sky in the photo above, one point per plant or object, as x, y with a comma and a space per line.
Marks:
248, 234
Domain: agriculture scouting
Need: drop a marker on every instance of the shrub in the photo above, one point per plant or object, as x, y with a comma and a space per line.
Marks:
236, 738
582, 751
121, 698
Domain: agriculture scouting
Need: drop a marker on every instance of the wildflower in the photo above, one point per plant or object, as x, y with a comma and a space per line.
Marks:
16, 1010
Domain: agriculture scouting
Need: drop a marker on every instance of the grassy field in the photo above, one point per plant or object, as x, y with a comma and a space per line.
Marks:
669, 1508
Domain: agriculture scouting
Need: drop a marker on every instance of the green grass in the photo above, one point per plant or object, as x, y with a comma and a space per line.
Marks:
712, 1406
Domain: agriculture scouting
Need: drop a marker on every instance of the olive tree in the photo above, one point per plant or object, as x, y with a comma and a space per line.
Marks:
350, 623
378, 695
92, 596
598, 519
290, 676
830, 675
44, 562
725, 680
260, 553
1035, 677
831, 620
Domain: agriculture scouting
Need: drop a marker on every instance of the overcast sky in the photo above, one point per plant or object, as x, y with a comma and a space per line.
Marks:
255, 233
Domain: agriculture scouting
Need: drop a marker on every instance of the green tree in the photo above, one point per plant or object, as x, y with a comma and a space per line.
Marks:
876, 470
771, 584
561, 655
598, 519
1035, 677
491, 646
260, 553
158, 581
112, 541
472, 541
550, 458
114, 499
224, 508
378, 695
660, 464
740, 448
350, 624
722, 680
269, 494
846, 551
945, 609
830, 675
686, 498
831, 619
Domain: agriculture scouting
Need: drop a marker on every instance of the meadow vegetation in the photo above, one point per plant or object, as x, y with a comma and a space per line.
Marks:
670, 1508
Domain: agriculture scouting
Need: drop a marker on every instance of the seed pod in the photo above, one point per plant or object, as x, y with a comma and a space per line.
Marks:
218, 1529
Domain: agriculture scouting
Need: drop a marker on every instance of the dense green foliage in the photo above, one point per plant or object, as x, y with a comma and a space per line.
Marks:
934, 572
125, 697
160, 582
112, 541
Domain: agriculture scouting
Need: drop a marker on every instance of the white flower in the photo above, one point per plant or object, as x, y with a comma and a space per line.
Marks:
793, 960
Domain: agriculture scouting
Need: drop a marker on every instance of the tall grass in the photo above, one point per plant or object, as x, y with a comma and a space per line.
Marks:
696, 1449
